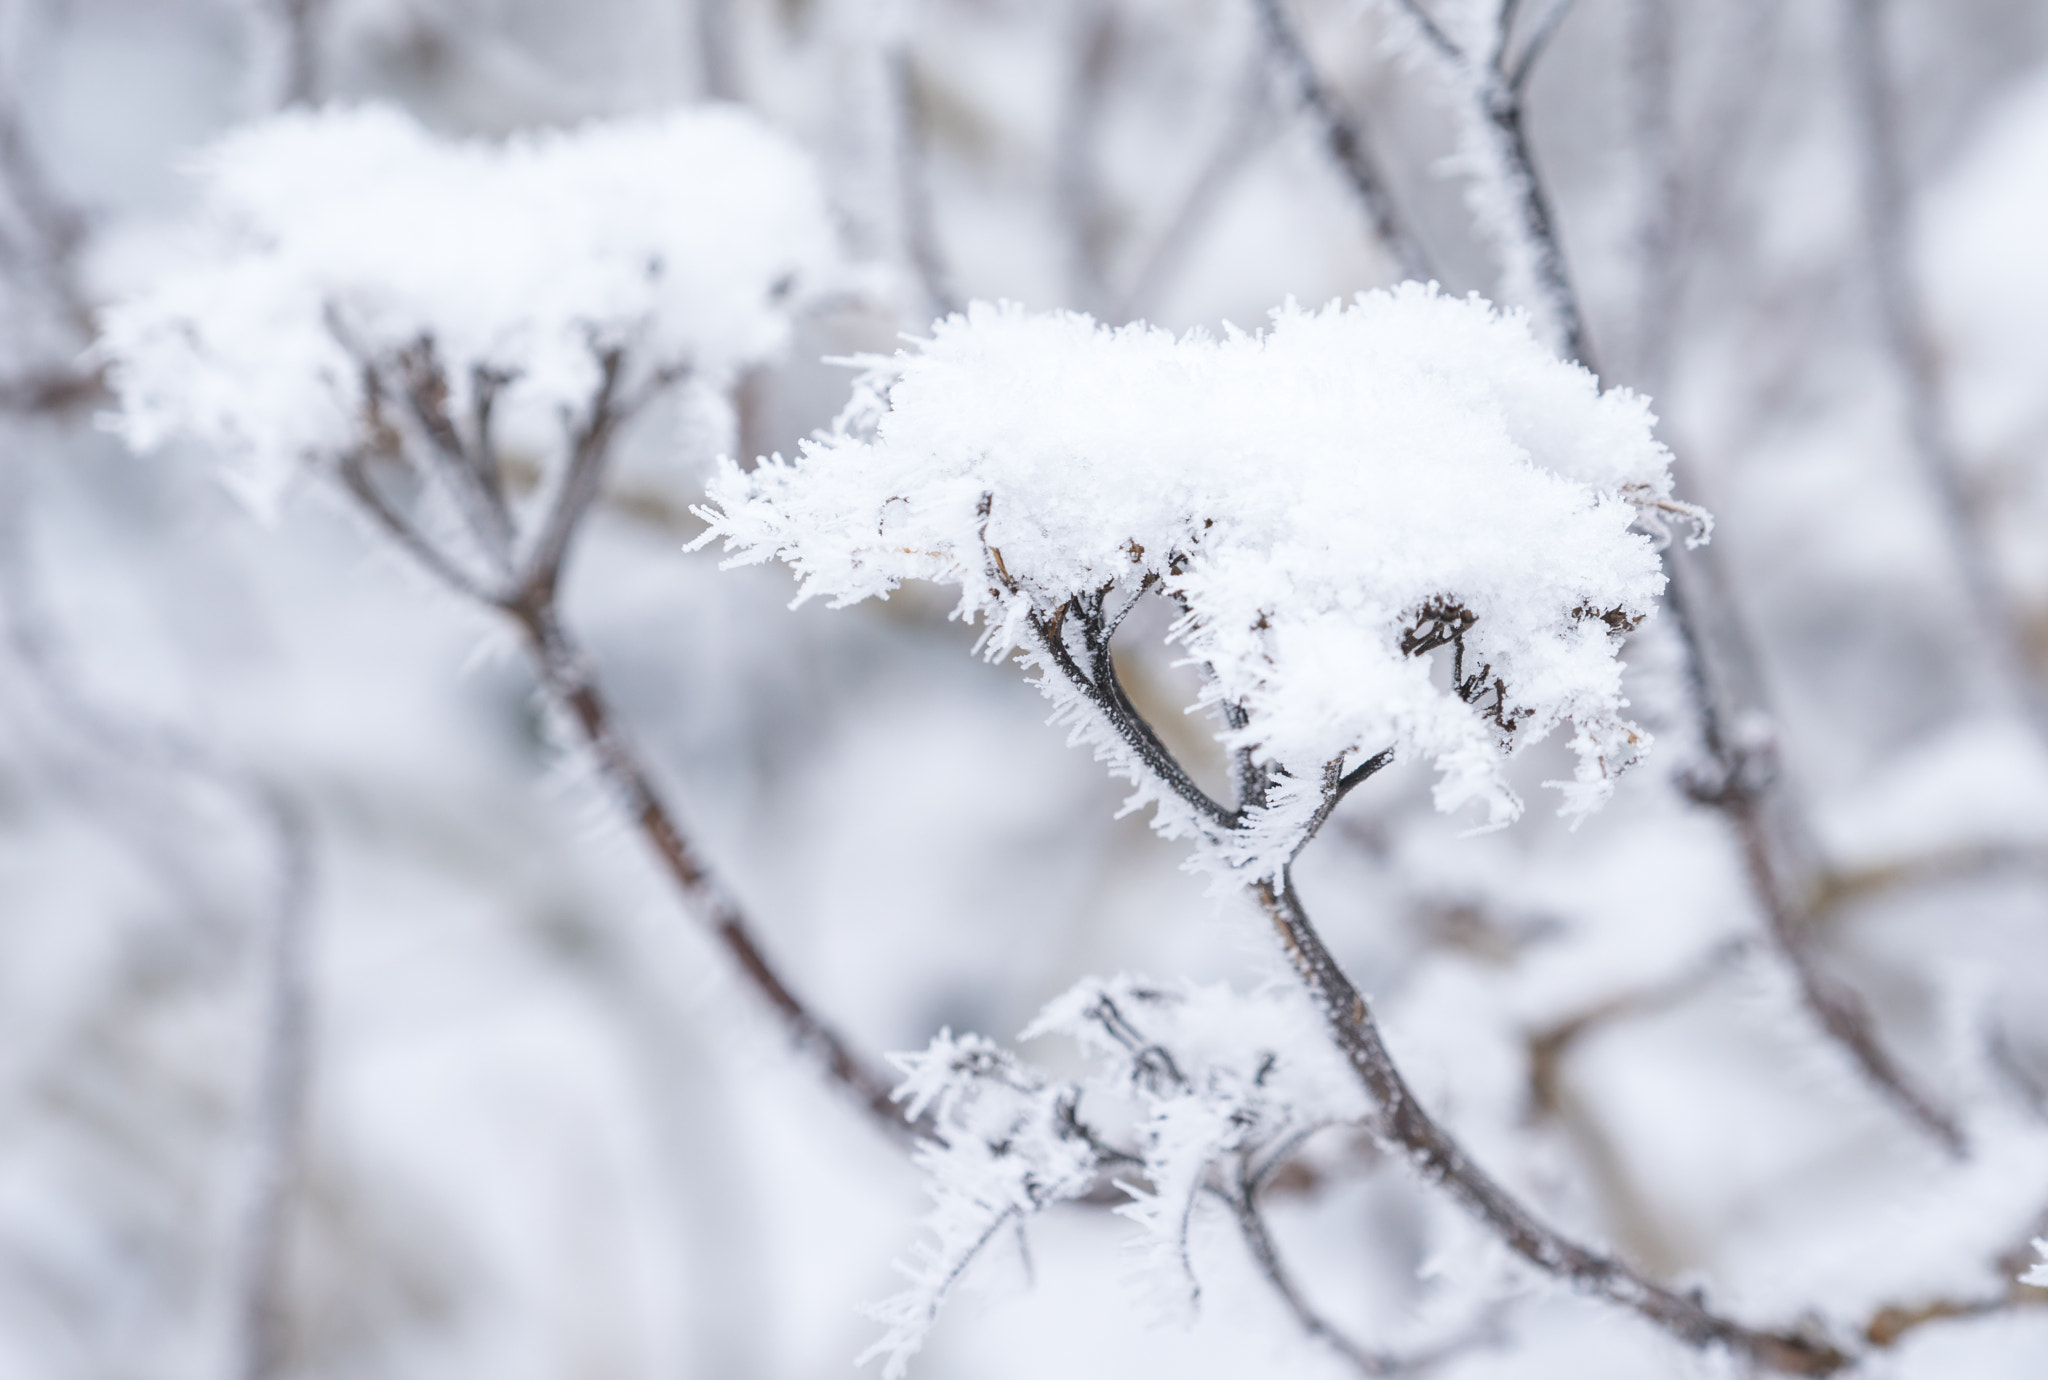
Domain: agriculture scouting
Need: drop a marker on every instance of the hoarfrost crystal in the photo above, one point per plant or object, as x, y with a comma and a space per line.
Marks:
1327, 502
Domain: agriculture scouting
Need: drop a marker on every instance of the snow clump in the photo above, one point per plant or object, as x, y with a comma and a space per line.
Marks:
1328, 502
345, 238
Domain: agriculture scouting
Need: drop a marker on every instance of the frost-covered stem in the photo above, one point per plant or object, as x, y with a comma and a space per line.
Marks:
1345, 142
301, 19
1839, 1009
1495, 86
1251, 1224
1906, 336
1649, 83
527, 592
263, 1296
1077, 187
284, 1047
1492, 85
913, 180
1103, 690
57, 231
1401, 1120
717, 59
566, 676
1200, 201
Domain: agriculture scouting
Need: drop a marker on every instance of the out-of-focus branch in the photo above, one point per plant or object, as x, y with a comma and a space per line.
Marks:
1077, 184
1741, 788
1344, 140
1402, 1122
526, 591
908, 121
284, 1046
1903, 318
284, 1078
1246, 130
718, 69
1242, 1200
302, 53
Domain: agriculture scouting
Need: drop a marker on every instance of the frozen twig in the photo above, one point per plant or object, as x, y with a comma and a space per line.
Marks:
1903, 319
1344, 140
1242, 1199
1492, 90
525, 589
908, 119
1248, 127
284, 1078
1077, 184
284, 1054
302, 74
1403, 1123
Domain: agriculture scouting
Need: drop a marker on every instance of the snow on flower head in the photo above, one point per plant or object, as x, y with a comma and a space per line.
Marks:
1399, 523
678, 240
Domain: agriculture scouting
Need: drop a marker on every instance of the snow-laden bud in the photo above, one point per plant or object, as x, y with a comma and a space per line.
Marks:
350, 239
1397, 524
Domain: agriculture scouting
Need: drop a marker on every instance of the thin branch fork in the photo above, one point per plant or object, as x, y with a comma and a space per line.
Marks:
526, 591
1344, 140
1497, 84
1402, 1122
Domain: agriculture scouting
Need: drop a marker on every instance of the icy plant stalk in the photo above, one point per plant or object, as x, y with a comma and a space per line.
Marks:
404, 316
1394, 529
1326, 504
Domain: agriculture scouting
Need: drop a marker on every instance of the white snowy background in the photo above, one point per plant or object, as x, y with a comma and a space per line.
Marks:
547, 1131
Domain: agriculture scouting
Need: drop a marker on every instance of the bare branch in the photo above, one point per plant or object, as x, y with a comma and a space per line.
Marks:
1077, 187
353, 471
1346, 145
1402, 1122
302, 49
1431, 31
281, 1095
582, 479
1198, 204
913, 183
566, 676
1541, 32
1251, 1224
1903, 318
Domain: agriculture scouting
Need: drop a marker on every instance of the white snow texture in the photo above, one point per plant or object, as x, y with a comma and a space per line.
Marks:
1324, 500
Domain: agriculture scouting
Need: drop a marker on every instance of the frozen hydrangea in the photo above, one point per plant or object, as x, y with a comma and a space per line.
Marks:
1398, 524
348, 236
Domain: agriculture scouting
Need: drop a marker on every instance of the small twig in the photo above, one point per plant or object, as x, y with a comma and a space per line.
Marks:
566, 676
302, 50
582, 480
913, 182
530, 601
1077, 185
1345, 142
1540, 33
1403, 1122
281, 1099
1902, 315
1242, 1199
1248, 126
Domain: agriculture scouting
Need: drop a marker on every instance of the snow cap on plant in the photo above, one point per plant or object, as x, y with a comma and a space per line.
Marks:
680, 240
1333, 503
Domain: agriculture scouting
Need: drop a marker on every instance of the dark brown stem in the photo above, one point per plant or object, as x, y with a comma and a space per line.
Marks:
1251, 1224
566, 676
1402, 1121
